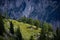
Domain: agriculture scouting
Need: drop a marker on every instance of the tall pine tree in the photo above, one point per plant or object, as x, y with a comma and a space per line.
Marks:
11, 28
2, 30
18, 34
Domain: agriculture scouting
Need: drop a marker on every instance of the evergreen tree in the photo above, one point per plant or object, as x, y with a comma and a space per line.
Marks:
46, 29
23, 19
57, 34
37, 23
50, 28
11, 28
18, 34
2, 30
30, 21
42, 35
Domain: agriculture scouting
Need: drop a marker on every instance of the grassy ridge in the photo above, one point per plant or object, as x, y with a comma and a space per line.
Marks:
26, 30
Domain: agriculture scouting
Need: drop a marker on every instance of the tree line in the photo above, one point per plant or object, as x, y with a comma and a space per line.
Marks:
47, 32
31, 21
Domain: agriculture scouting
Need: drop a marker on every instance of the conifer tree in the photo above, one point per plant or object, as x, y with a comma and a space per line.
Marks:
2, 30
18, 34
11, 28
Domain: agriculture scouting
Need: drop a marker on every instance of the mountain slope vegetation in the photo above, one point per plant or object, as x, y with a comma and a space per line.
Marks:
26, 30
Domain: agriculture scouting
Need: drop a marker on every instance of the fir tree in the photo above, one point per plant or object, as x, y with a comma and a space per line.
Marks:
2, 30
11, 28
18, 34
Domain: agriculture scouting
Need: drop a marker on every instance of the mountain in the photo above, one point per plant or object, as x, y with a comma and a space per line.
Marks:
44, 10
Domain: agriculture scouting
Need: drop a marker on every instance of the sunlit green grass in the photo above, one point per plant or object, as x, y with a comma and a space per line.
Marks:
24, 28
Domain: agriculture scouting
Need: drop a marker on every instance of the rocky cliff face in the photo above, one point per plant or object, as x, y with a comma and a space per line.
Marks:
44, 10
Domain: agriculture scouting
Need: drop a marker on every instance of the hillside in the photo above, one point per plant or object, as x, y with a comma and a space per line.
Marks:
26, 30
29, 19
